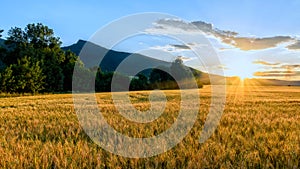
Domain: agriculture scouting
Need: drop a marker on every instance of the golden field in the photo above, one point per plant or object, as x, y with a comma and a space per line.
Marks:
260, 128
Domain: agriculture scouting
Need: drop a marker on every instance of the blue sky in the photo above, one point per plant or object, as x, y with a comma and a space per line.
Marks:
73, 20
80, 19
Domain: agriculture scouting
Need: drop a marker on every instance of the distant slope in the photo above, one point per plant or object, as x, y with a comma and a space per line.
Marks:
76, 47
112, 59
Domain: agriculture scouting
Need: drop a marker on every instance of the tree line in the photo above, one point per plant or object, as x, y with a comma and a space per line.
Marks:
32, 61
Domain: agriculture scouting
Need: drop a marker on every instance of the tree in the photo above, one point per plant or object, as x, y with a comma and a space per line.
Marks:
139, 82
24, 77
2, 54
161, 79
6, 80
41, 36
179, 70
197, 75
67, 69
119, 82
160, 74
82, 80
180, 76
38, 42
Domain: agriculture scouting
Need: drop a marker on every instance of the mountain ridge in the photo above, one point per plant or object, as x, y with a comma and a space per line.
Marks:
112, 58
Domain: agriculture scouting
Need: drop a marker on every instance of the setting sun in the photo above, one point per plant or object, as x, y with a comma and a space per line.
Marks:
242, 67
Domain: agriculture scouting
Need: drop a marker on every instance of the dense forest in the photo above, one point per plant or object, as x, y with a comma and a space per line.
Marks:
33, 61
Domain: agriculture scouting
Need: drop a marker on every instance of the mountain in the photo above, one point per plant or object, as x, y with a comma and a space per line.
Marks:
76, 47
112, 58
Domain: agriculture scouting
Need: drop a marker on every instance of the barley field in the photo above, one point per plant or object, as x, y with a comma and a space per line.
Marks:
260, 128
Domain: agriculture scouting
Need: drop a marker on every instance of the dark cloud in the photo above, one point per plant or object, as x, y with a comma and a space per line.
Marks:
205, 27
181, 46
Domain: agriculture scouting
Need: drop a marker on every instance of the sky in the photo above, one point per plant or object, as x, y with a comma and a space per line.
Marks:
243, 55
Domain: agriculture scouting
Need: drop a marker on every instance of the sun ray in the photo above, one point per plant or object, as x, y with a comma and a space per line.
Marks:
242, 67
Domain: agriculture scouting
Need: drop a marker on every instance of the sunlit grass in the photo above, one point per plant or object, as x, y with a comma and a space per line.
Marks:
259, 128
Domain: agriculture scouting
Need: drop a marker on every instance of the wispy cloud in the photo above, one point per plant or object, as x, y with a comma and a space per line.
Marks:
246, 43
279, 70
228, 37
261, 62
283, 73
290, 66
294, 46
172, 48
181, 46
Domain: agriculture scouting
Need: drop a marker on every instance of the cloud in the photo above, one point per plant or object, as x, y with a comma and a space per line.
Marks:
294, 46
180, 46
172, 26
224, 67
260, 62
172, 48
290, 66
184, 58
174, 23
228, 37
205, 27
276, 73
279, 70
245, 43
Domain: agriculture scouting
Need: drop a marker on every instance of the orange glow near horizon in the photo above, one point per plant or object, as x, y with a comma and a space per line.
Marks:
242, 67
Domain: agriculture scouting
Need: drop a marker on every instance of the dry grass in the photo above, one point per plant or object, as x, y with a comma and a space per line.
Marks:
260, 128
